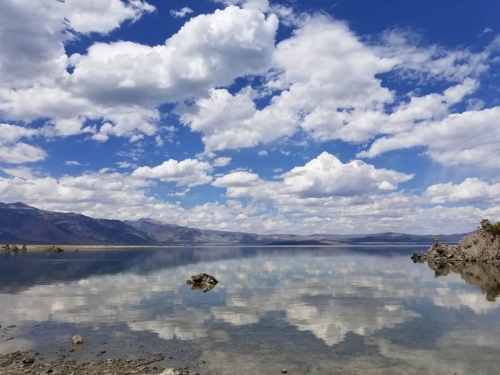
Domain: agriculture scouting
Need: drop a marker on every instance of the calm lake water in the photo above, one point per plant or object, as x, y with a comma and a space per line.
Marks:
309, 310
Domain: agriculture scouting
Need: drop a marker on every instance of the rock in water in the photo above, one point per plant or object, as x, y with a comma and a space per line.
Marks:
481, 246
203, 278
202, 281
54, 249
77, 340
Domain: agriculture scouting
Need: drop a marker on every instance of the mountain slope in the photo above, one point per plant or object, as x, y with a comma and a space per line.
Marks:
174, 234
24, 224
20, 223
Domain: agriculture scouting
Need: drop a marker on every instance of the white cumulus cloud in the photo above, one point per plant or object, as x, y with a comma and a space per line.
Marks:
469, 138
471, 190
222, 161
190, 172
15, 152
328, 176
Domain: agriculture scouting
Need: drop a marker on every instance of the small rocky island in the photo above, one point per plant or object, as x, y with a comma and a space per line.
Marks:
481, 246
202, 281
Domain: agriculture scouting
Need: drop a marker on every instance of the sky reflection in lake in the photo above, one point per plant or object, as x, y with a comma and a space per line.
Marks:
315, 310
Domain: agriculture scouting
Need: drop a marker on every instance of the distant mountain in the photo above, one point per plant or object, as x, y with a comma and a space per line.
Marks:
20, 223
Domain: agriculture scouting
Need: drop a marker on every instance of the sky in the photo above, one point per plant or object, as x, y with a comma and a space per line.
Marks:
301, 117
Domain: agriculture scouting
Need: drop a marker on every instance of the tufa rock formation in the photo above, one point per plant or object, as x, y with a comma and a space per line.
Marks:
13, 248
202, 281
480, 246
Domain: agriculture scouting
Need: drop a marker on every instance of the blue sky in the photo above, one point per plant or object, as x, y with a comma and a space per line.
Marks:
292, 117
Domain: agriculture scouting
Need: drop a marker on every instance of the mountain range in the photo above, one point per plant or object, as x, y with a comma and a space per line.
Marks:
20, 223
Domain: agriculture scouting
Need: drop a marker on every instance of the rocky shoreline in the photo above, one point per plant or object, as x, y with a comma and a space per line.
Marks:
481, 246
23, 363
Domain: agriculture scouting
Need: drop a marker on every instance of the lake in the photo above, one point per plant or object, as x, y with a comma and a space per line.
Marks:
311, 310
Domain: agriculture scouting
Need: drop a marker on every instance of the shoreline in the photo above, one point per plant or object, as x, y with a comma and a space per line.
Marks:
74, 247
16, 363
90, 247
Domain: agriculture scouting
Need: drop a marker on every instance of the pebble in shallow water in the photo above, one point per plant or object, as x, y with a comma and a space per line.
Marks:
77, 340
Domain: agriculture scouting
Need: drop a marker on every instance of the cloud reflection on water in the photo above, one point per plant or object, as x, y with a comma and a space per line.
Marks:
327, 296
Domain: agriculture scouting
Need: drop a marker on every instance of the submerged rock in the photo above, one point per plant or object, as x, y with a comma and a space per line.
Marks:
202, 281
481, 246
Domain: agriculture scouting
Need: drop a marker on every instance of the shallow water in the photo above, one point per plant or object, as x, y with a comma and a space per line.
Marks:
309, 310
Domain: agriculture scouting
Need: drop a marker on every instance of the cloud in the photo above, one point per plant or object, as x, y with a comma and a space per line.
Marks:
236, 42
343, 97
471, 190
266, 207
21, 153
14, 152
136, 137
119, 85
34, 37
378, 94
231, 121
72, 162
115, 88
262, 5
237, 179
76, 193
431, 62
31, 42
189, 172
159, 141
326, 176
10, 134
488, 30
20, 172
88, 16
222, 161
302, 90
468, 138
125, 165
181, 13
